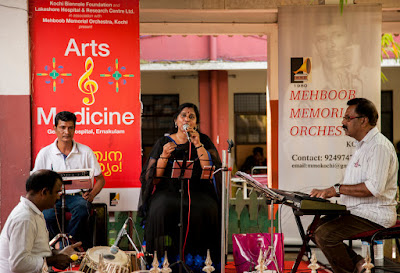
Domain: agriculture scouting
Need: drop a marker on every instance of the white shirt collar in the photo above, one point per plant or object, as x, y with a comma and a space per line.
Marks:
368, 136
29, 204
56, 151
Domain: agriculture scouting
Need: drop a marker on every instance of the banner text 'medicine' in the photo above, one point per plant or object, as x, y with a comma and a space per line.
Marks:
86, 117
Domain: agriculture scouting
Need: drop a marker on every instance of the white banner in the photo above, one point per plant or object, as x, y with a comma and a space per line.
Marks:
325, 59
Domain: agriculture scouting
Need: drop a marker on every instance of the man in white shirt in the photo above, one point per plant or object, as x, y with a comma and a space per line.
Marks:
24, 240
368, 189
66, 154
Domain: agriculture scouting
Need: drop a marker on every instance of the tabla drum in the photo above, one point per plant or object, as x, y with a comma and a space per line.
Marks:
111, 263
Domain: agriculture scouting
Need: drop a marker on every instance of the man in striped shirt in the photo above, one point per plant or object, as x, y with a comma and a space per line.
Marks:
368, 189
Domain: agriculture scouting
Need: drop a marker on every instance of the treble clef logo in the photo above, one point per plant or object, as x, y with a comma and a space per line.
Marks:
86, 85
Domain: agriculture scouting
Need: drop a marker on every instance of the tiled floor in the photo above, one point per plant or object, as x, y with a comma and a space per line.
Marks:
389, 265
291, 255
292, 252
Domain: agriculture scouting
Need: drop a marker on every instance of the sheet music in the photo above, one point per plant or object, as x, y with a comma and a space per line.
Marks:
257, 185
77, 179
178, 167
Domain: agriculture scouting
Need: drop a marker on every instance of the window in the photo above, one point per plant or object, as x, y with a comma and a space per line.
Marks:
157, 116
250, 118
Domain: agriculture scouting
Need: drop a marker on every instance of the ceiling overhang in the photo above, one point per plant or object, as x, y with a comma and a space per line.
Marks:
231, 21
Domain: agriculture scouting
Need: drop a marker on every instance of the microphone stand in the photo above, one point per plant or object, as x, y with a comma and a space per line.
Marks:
183, 168
226, 177
142, 260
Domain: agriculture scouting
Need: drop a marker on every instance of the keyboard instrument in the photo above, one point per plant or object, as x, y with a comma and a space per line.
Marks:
307, 204
303, 202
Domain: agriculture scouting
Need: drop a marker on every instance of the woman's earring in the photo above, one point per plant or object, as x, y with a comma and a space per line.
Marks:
176, 126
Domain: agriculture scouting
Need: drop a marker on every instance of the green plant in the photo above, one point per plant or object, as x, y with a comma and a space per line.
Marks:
341, 4
388, 44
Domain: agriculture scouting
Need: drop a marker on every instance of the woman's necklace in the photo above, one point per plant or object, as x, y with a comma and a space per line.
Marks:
179, 139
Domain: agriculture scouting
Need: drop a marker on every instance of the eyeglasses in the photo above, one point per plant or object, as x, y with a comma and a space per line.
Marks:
348, 118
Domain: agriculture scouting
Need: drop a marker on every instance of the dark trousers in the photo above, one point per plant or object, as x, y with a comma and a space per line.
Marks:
77, 225
329, 236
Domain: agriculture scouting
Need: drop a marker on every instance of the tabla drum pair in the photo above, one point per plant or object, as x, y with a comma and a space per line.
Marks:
101, 257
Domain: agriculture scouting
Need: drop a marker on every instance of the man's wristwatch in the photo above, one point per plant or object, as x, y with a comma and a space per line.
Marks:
337, 188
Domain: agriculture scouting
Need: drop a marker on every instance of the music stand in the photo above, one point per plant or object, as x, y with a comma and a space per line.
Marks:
207, 173
71, 179
182, 169
63, 237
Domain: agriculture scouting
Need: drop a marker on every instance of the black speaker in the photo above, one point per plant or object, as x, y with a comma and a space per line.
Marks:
99, 222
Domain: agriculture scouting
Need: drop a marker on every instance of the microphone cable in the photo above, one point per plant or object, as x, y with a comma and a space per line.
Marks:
189, 204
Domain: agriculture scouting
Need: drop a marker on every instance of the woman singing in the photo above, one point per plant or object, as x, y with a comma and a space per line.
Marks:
160, 196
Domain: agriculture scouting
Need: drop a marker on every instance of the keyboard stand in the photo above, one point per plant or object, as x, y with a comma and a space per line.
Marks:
306, 237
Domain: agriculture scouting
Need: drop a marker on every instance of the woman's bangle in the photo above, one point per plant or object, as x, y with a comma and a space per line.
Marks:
198, 147
163, 157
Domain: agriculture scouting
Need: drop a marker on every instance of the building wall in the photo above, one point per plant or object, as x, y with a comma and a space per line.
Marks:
193, 47
185, 84
245, 81
14, 52
15, 145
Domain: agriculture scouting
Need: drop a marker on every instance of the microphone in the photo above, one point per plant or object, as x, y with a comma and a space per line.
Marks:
185, 127
114, 248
